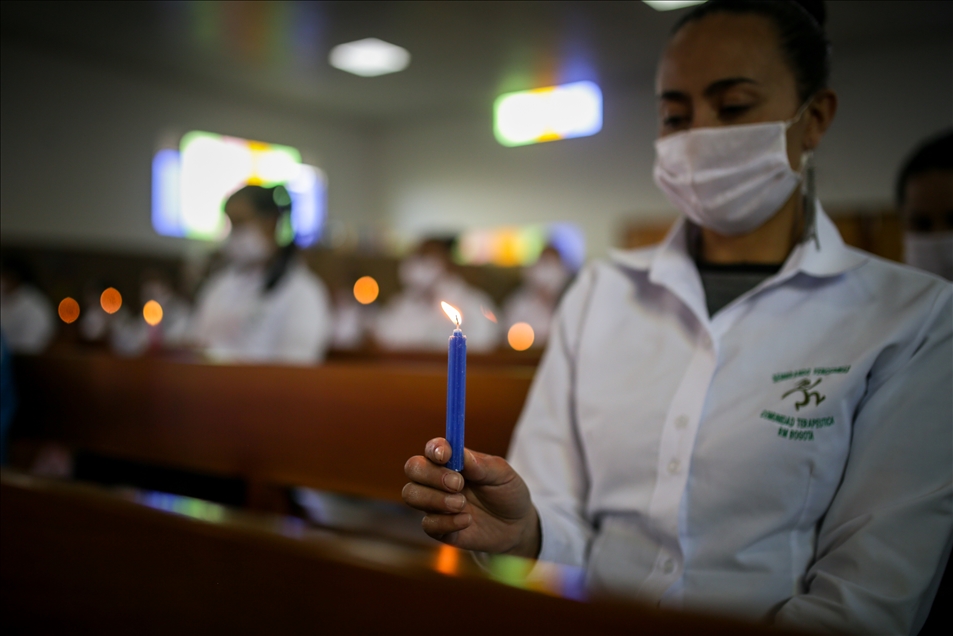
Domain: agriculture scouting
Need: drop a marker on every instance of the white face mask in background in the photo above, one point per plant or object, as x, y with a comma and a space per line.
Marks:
246, 245
420, 272
930, 251
730, 179
547, 274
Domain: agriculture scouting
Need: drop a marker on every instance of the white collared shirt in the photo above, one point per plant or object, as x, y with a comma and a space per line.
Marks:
235, 321
788, 458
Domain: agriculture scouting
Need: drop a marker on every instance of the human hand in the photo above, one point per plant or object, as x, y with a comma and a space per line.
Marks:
485, 507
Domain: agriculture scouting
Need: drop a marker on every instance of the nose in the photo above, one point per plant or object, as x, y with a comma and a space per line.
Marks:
704, 116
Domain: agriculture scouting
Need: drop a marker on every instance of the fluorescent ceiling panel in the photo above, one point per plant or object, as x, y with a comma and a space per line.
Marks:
669, 5
369, 57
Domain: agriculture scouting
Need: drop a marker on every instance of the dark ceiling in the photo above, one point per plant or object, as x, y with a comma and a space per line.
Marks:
463, 53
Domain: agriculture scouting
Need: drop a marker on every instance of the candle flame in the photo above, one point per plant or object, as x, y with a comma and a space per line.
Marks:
452, 312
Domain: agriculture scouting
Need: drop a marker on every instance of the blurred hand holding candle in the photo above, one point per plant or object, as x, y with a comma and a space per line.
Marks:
456, 388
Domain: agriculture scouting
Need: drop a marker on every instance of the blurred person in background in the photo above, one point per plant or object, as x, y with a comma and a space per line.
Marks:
414, 319
95, 324
751, 417
351, 320
133, 335
265, 305
26, 315
925, 201
534, 302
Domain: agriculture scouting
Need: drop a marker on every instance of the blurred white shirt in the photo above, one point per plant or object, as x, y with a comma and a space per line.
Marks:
414, 320
788, 458
27, 319
236, 321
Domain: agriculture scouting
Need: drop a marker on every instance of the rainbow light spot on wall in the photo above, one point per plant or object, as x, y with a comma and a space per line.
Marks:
548, 114
190, 185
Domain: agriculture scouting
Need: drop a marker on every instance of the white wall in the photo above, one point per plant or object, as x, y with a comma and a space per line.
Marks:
78, 140
452, 174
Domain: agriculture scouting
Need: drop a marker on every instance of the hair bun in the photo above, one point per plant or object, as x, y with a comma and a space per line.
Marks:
815, 9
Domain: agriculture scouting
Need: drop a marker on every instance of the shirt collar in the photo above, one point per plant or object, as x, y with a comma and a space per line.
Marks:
671, 265
823, 257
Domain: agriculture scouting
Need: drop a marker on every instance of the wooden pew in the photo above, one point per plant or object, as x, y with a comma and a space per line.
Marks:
76, 559
345, 427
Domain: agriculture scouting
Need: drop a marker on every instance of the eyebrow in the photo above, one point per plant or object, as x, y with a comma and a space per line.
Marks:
713, 88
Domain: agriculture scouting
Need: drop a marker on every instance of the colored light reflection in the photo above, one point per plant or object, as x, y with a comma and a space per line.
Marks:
185, 506
548, 114
152, 313
68, 310
366, 290
489, 315
521, 336
540, 576
190, 185
448, 560
110, 300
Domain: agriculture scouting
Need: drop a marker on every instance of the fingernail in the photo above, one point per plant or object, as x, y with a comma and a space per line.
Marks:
456, 502
462, 521
453, 481
438, 454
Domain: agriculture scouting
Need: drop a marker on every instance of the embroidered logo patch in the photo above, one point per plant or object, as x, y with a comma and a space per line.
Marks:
806, 393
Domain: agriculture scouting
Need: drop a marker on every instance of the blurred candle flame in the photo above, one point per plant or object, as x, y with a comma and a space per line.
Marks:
366, 290
68, 310
152, 313
452, 312
110, 300
521, 336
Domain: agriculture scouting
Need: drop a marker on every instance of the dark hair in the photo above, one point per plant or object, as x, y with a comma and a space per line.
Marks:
800, 25
270, 203
934, 154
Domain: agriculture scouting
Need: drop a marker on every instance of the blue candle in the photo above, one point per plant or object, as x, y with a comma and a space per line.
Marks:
456, 389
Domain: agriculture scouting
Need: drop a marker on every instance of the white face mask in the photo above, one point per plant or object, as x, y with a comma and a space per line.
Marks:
930, 251
730, 179
547, 274
246, 245
420, 272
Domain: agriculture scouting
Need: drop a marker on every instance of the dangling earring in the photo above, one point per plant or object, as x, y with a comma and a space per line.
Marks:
809, 198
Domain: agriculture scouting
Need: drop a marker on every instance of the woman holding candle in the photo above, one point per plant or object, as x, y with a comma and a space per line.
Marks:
750, 417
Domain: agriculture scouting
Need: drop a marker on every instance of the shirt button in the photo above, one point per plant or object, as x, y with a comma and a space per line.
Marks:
681, 421
673, 466
668, 567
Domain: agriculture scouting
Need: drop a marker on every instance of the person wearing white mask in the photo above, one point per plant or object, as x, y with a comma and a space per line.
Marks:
750, 418
26, 315
534, 302
414, 321
266, 305
925, 200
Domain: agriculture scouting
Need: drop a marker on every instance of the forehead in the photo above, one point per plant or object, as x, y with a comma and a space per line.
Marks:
722, 46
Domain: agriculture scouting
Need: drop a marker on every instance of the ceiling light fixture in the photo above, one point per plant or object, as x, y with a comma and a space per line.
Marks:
369, 57
669, 5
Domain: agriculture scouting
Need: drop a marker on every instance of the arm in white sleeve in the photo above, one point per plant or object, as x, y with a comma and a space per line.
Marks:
545, 450
307, 328
887, 533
